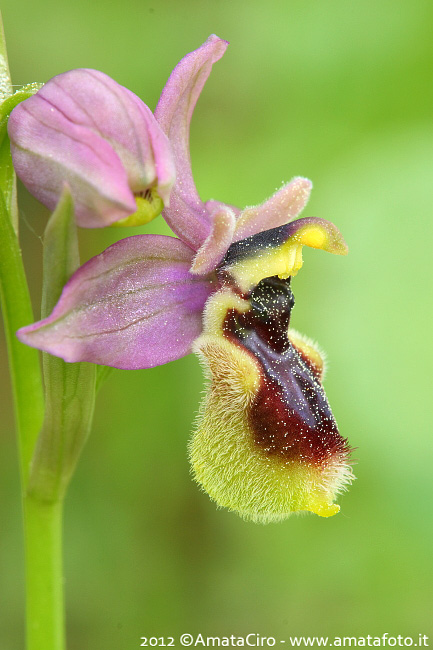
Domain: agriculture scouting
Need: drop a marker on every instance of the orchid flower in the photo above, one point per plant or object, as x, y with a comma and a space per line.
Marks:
266, 443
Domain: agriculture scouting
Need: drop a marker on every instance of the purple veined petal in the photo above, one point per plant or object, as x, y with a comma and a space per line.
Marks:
187, 215
216, 245
282, 207
133, 306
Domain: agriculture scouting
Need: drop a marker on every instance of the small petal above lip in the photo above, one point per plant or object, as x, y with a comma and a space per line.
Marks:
133, 306
187, 215
216, 245
282, 207
85, 129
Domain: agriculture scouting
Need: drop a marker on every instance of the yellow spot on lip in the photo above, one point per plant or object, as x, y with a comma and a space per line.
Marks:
313, 236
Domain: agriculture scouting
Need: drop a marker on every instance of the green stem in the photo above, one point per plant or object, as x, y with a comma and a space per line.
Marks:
42, 521
44, 577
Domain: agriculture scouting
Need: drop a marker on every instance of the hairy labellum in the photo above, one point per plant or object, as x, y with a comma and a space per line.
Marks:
266, 442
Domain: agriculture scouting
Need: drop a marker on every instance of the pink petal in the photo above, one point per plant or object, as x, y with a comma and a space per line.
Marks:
187, 215
133, 306
281, 208
216, 245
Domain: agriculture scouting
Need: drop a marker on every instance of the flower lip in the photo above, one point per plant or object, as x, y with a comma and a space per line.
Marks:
266, 443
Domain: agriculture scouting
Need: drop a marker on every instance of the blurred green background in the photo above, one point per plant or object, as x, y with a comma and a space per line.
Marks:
340, 92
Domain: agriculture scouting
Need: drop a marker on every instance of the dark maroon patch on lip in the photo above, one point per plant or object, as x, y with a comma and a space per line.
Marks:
290, 415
